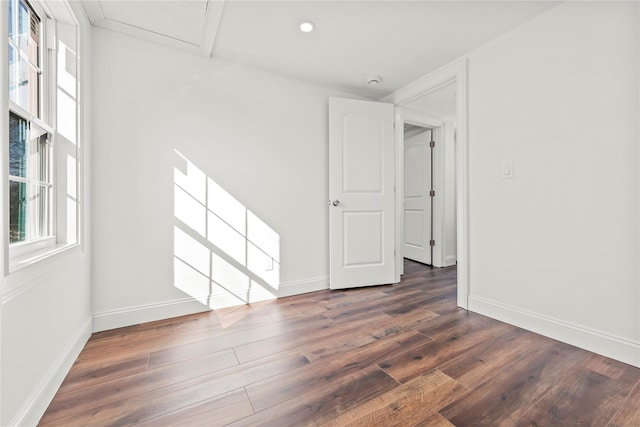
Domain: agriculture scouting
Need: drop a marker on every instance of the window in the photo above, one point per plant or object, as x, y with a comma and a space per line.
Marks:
30, 185
30, 148
44, 174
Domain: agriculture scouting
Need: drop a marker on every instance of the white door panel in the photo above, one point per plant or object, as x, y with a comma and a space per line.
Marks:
417, 202
414, 228
361, 187
363, 238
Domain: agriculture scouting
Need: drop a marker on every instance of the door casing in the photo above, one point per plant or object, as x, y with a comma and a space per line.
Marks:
454, 72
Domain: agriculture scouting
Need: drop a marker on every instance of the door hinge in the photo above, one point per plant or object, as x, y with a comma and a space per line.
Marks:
432, 242
432, 193
432, 144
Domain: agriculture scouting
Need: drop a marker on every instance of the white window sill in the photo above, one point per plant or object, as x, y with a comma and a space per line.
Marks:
23, 260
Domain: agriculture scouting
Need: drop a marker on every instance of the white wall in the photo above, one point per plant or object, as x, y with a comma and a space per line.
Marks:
261, 137
46, 313
556, 248
43, 330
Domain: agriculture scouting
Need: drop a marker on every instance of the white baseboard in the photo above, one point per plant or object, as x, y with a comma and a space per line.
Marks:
617, 348
450, 260
288, 289
128, 316
34, 407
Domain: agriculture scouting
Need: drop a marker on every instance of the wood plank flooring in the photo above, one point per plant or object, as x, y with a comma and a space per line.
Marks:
401, 355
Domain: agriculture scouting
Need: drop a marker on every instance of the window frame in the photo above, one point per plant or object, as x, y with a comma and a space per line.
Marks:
46, 113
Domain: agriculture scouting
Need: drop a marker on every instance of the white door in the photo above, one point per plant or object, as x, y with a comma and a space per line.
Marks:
361, 192
417, 200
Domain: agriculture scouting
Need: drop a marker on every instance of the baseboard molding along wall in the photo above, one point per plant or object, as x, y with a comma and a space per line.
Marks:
450, 260
134, 315
288, 289
36, 405
617, 348
146, 313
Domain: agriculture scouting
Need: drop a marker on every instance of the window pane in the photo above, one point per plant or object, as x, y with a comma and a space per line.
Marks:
34, 39
34, 90
23, 83
13, 74
12, 29
40, 211
23, 26
39, 154
24, 80
17, 211
17, 146
26, 91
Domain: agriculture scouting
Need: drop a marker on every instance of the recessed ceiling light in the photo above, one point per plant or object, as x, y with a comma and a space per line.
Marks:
306, 27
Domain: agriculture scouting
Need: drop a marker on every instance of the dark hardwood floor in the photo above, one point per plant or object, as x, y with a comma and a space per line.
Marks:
401, 355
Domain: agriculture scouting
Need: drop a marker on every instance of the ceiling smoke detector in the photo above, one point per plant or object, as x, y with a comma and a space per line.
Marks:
374, 80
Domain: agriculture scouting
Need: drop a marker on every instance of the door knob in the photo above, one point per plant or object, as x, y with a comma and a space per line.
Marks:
336, 203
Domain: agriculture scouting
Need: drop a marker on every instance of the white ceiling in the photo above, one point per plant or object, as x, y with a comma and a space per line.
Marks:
399, 40
189, 25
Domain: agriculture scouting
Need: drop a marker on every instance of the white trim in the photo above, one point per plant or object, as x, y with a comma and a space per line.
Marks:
455, 71
36, 404
93, 11
111, 319
608, 345
26, 115
438, 219
297, 287
4, 163
4, 149
417, 118
211, 24
638, 159
20, 249
83, 90
432, 81
134, 315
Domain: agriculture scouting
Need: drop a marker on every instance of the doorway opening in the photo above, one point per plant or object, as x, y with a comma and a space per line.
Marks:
429, 177
415, 105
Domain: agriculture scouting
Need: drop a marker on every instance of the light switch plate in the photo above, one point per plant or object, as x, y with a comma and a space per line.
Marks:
506, 170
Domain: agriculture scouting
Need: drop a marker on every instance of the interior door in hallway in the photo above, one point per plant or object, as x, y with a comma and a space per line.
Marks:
418, 200
361, 192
